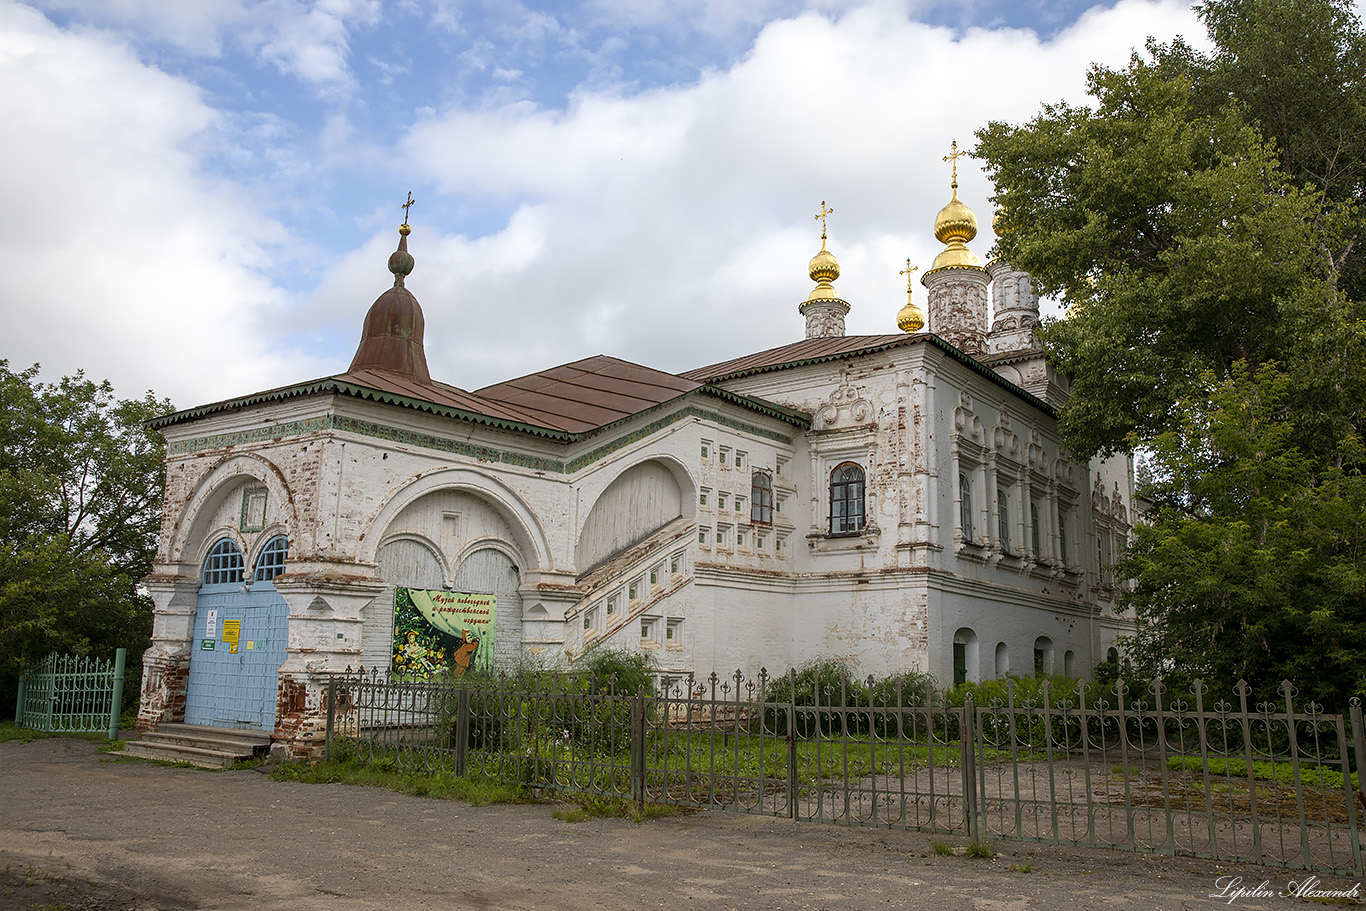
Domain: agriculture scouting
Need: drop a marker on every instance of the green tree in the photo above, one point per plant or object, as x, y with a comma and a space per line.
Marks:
81, 480
1200, 222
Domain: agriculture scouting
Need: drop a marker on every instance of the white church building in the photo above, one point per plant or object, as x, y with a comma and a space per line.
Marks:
900, 500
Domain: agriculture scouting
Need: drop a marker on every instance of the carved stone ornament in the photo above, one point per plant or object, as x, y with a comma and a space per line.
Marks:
1004, 439
846, 407
965, 422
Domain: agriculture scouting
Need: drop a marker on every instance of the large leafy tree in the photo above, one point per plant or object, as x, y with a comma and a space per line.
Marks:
1200, 221
80, 507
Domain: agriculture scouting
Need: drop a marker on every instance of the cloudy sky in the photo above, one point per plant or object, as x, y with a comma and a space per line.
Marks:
199, 197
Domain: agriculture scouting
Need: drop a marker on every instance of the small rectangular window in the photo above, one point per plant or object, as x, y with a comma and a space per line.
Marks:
633, 593
611, 606
673, 633
721, 501
759, 541
725, 453
590, 618
739, 539
740, 505
703, 535
740, 460
654, 576
703, 495
675, 565
706, 449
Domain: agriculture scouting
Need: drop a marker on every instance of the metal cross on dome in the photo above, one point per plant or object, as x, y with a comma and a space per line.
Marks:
821, 215
953, 157
406, 206
907, 272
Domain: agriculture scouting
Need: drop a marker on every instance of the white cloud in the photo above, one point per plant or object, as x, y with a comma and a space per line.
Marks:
118, 255
673, 227
308, 39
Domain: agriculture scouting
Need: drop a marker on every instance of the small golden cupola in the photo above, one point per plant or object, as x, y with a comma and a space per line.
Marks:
910, 318
823, 308
391, 339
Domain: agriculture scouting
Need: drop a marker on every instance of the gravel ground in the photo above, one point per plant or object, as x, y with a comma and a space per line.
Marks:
85, 831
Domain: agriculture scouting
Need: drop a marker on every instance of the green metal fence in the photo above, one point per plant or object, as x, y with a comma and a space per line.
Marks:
1153, 771
70, 693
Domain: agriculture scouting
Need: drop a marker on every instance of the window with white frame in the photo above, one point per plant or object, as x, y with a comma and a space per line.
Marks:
704, 536
740, 459
846, 499
649, 630
706, 449
673, 633
723, 457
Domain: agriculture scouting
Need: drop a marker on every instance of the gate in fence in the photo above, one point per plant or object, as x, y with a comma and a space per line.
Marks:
69, 693
1155, 771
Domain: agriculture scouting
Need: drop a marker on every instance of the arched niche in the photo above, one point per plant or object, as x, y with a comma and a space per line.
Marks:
638, 502
428, 496
217, 503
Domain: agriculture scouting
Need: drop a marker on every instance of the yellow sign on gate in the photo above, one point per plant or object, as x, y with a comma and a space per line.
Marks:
232, 631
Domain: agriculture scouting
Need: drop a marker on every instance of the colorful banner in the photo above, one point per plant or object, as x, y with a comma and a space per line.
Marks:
439, 633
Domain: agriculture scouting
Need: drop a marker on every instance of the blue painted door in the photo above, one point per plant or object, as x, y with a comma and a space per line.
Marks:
236, 687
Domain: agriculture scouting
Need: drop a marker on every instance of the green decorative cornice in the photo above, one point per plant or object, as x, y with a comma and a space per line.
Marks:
342, 423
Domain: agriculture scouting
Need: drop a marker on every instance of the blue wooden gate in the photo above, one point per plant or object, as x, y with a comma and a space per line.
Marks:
241, 634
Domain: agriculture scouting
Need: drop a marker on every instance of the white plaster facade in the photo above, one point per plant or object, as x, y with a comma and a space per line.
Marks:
977, 529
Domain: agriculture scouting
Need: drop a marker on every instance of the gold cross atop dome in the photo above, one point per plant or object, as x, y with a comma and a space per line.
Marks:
953, 156
910, 318
821, 215
406, 206
907, 272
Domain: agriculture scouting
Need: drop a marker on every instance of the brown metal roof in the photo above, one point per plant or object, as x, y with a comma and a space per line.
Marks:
587, 394
437, 393
807, 351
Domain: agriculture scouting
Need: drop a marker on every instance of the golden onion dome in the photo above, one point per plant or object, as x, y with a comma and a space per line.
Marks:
910, 318
823, 269
955, 221
954, 226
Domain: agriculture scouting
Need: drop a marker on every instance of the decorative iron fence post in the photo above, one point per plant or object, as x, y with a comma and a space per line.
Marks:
1359, 755
116, 699
331, 717
967, 737
462, 730
792, 743
19, 703
638, 751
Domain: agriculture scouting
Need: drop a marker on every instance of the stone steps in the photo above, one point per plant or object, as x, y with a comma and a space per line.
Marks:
207, 747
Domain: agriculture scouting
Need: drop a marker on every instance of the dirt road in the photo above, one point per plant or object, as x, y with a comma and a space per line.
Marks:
88, 832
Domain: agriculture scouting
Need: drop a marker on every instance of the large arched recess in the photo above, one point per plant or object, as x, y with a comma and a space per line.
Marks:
196, 520
529, 537
641, 499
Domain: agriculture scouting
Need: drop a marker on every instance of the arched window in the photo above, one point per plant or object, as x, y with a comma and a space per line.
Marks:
965, 666
1003, 520
271, 561
224, 564
761, 498
846, 499
1043, 656
965, 505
